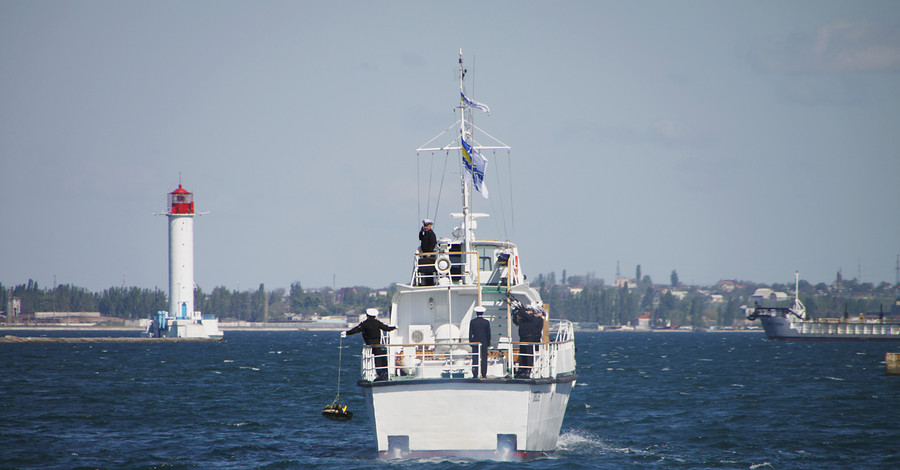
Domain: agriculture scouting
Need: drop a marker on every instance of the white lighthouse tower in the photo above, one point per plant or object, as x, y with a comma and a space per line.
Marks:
181, 253
182, 321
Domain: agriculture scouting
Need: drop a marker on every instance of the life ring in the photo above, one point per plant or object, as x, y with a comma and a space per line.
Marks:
442, 265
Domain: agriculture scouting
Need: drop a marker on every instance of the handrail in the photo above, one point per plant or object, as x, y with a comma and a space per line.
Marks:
433, 256
410, 361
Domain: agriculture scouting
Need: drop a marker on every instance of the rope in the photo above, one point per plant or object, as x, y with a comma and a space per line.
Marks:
340, 351
441, 189
512, 208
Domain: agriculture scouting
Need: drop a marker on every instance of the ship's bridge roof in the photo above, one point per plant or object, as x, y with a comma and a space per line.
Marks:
496, 243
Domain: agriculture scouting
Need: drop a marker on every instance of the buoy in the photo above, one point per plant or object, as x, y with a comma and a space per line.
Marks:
337, 412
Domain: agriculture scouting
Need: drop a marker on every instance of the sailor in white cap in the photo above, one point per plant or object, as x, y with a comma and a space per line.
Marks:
371, 330
480, 333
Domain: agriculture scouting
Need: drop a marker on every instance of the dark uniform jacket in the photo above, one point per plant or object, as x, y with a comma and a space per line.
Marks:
480, 331
531, 327
371, 330
428, 240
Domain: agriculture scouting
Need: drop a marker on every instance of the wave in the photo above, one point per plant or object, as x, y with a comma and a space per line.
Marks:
581, 441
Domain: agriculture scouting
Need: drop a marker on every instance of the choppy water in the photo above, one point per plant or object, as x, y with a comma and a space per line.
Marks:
665, 400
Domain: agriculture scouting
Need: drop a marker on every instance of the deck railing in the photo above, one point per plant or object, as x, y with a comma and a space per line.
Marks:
455, 360
432, 268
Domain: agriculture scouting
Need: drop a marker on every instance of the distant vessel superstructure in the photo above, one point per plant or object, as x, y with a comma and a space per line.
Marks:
793, 323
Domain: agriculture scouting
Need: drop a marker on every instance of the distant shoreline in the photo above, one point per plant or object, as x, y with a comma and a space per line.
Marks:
134, 328
324, 328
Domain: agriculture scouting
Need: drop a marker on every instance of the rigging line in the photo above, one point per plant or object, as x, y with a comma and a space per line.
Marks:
492, 137
430, 180
418, 186
441, 190
500, 198
512, 209
452, 126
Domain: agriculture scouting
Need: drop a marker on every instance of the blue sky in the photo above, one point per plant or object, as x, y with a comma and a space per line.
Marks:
724, 140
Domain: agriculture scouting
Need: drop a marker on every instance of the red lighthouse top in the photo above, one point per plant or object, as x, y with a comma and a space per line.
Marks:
181, 201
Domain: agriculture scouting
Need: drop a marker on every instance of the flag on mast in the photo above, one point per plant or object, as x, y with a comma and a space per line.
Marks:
474, 104
475, 164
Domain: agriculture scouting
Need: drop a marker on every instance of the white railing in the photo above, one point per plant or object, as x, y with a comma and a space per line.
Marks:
449, 266
455, 360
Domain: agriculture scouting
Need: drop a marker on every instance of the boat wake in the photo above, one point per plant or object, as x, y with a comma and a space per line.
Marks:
583, 442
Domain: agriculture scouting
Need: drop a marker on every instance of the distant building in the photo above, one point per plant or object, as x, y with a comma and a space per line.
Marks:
679, 294
764, 293
57, 315
727, 285
643, 321
625, 282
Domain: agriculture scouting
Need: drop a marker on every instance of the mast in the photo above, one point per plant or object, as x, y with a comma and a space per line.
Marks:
459, 142
465, 133
799, 309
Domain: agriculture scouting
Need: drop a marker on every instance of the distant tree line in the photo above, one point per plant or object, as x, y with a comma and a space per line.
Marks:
120, 302
132, 303
587, 299
582, 298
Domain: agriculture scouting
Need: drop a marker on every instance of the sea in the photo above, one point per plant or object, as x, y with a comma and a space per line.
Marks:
642, 400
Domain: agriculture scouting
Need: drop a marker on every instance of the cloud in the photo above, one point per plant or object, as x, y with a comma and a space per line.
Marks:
841, 47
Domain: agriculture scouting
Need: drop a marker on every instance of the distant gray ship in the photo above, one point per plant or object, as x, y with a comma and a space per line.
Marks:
792, 323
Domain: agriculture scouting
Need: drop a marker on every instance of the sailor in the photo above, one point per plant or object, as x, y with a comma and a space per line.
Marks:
371, 330
531, 325
427, 244
479, 332
427, 238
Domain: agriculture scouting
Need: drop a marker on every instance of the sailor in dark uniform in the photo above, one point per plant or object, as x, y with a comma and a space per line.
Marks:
371, 330
531, 326
479, 332
427, 244
427, 238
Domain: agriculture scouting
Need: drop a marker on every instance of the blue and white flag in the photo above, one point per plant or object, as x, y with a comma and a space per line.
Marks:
475, 164
474, 104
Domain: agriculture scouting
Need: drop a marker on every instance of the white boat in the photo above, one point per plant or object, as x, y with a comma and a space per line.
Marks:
429, 402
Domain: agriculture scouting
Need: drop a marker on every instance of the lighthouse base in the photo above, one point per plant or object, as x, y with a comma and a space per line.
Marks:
206, 328
167, 327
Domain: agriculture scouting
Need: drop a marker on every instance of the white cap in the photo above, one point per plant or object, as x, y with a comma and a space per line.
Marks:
479, 310
372, 312
427, 222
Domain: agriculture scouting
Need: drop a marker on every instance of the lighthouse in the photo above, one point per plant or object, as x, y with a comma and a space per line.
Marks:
182, 321
181, 253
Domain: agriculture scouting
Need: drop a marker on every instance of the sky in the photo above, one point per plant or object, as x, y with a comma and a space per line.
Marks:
719, 139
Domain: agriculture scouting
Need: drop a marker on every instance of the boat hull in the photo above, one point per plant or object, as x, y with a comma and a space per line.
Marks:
501, 418
780, 328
